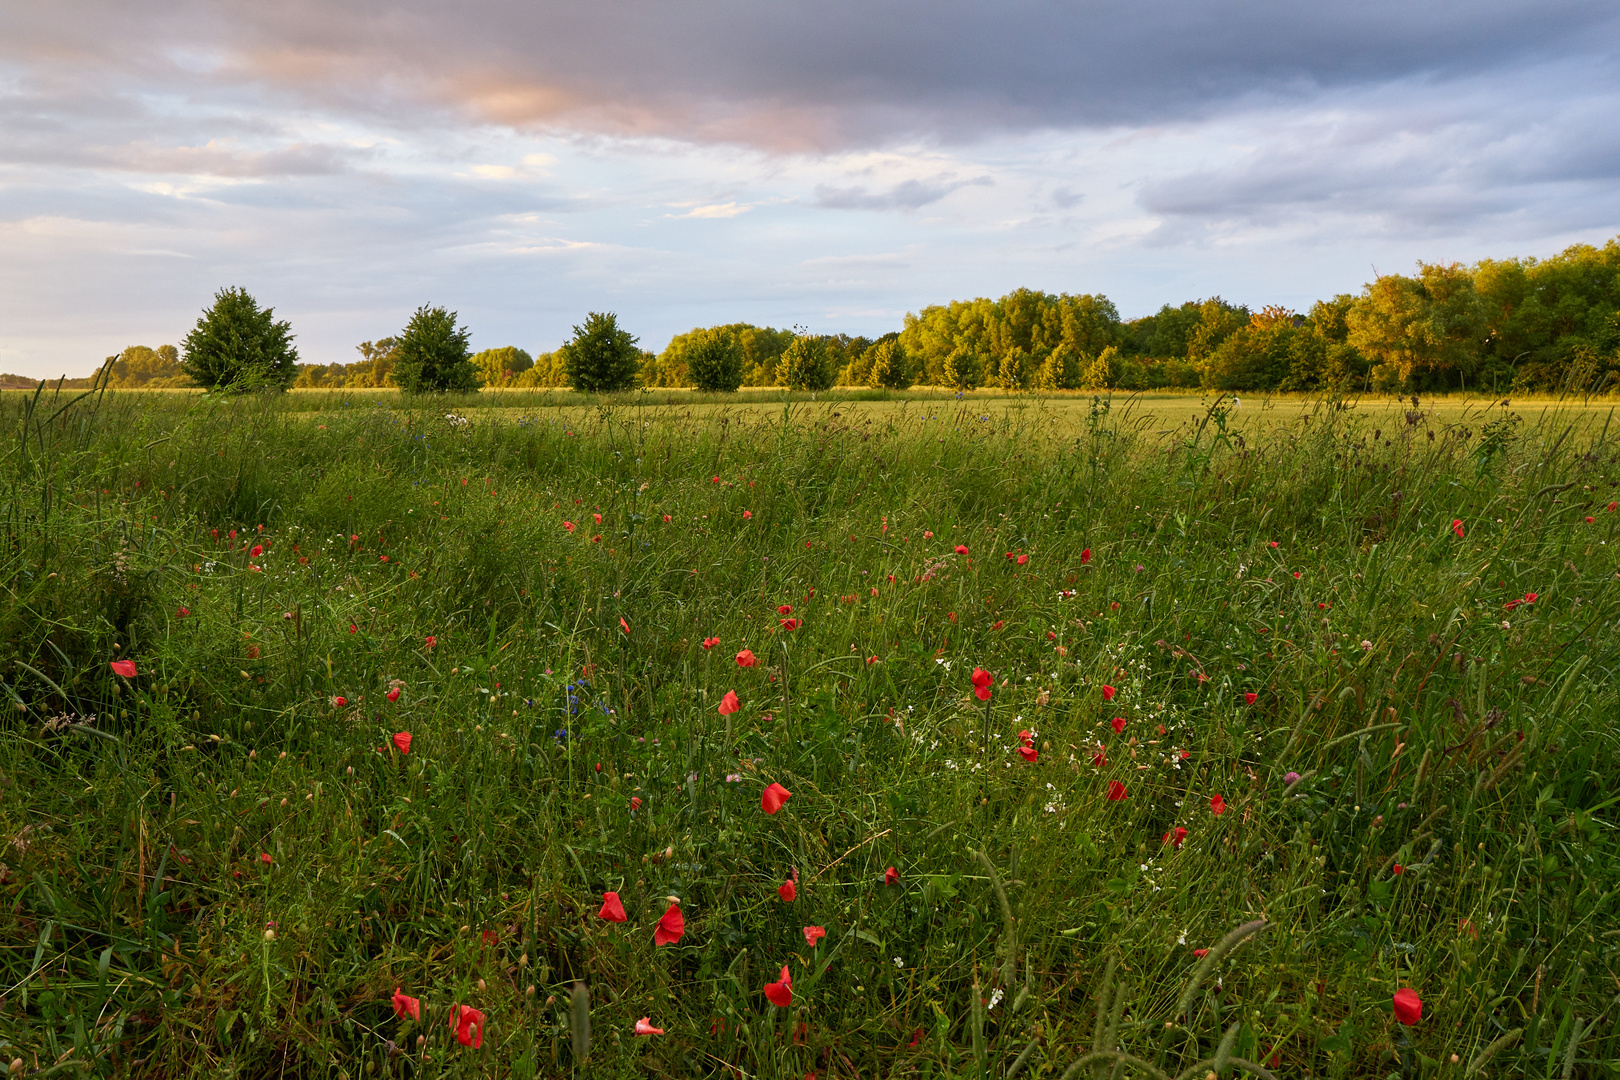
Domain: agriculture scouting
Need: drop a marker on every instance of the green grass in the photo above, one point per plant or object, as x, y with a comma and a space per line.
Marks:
1432, 725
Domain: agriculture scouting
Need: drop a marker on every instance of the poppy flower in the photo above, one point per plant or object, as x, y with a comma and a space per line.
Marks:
644, 1027
402, 739
813, 934
1250, 698
785, 609
891, 876
1612, 507
1200, 953
406, 1006
1099, 759
670, 926
729, 704
1118, 724
1022, 559
773, 797
1028, 753
1009, 556
746, 658
1397, 869
338, 701
393, 695
258, 549
787, 891
612, 908
710, 642
1108, 693
1175, 836
981, 683
747, 514
126, 668
635, 802
667, 519
264, 857
780, 992
927, 535
1457, 526
1408, 1006
181, 613
1085, 556
792, 624
468, 1024
1296, 575
623, 625
1590, 519
569, 525
597, 518
1116, 791
1217, 805
961, 549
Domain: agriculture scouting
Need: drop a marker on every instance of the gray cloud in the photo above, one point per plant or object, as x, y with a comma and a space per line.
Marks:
907, 195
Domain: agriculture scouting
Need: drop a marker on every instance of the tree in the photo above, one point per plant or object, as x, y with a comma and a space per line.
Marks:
432, 356
890, 365
601, 358
961, 367
805, 365
499, 367
714, 361
236, 345
150, 368
1420, 329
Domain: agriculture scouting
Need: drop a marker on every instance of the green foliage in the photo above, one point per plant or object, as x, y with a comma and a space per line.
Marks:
375, 369
139, 367
601, 358
806, 364
715, 361
888, 365
432, 355
236, 345
1006, 342
501, 367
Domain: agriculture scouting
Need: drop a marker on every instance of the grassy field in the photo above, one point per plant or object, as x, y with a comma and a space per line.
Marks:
1339, 676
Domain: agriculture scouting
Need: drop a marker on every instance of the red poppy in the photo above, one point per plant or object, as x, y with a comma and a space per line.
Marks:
597, 539
623, 625
597, 518
258, 549
813, 934
1028, 753
1250, 698
670, 926
1408, 1006
644, 1027
981, 683
468, 1024
1612, 507
402, 739
338, 701
1217, 805
891, 876
569, 525
747, 514
264, 857
746, 658
1296, 575
1118, 724
961, 549
729, 704
406, 1006
1201, 953
792, 624
996, 625
916, 1037
635, 802
1175, 836
126, 668
1108, 693
773, 797
1099, 759
787, 891
1397, 869
612, 908
1457, 526
1590, 519
927, 535
1022, 559
429, 642
1085, 556
710, 642
666, 519
1116, 791
785, 609
181, 613
393, 695
780, 992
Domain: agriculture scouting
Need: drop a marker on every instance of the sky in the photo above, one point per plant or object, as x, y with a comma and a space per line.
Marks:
832, 165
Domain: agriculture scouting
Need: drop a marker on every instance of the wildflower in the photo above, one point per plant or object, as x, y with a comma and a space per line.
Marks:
1116, 791
468, 1024
813, 934
785, 609
787, 891
338, 701
774, 797
644, 1027
569, 525
746, 658
1118, 724
1029, 753
1099, 760
1051, 635
1290, 779
710, 642
729, 704
1408, 1006
264, 857
961, 549
1590, 519
181, 613
635, 802
996, 625
891, 876
1397, 869
1612, 507
1457, 527
792, 624
981, 683
667, 519
393, 695
1022, 559
1085, 556
402, 739
258, 549
670, 926
1529, 597
612, 908
1108, 693
126, 668
927, 535
1217, 805
406, 1006
1296, 575
429, 642
1250, 698
780, 992
1175, 836
1201, 953
747, 514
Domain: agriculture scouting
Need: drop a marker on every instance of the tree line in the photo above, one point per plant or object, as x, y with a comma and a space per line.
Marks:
1497, 325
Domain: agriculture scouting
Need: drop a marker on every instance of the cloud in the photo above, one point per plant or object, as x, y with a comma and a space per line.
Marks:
906, 195
716, 210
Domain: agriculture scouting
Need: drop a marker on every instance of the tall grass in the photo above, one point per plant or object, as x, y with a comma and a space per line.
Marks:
224, 865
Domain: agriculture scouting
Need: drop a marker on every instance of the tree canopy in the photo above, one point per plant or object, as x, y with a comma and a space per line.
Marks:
237, 345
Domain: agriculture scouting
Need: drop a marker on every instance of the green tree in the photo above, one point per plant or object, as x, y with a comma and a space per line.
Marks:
601, 358
806, 365
432, 355
714, 361
499, 367
1103, 373
139, 366
890, 366
236, 345
1420, 330
961, 368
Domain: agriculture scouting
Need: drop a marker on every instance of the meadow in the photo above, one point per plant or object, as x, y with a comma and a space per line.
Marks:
870, 736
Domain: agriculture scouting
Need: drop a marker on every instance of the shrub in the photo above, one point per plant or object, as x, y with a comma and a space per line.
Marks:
237, 345
891, 366
500, 367
714, 361
432, 355
601, 358
805, 365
